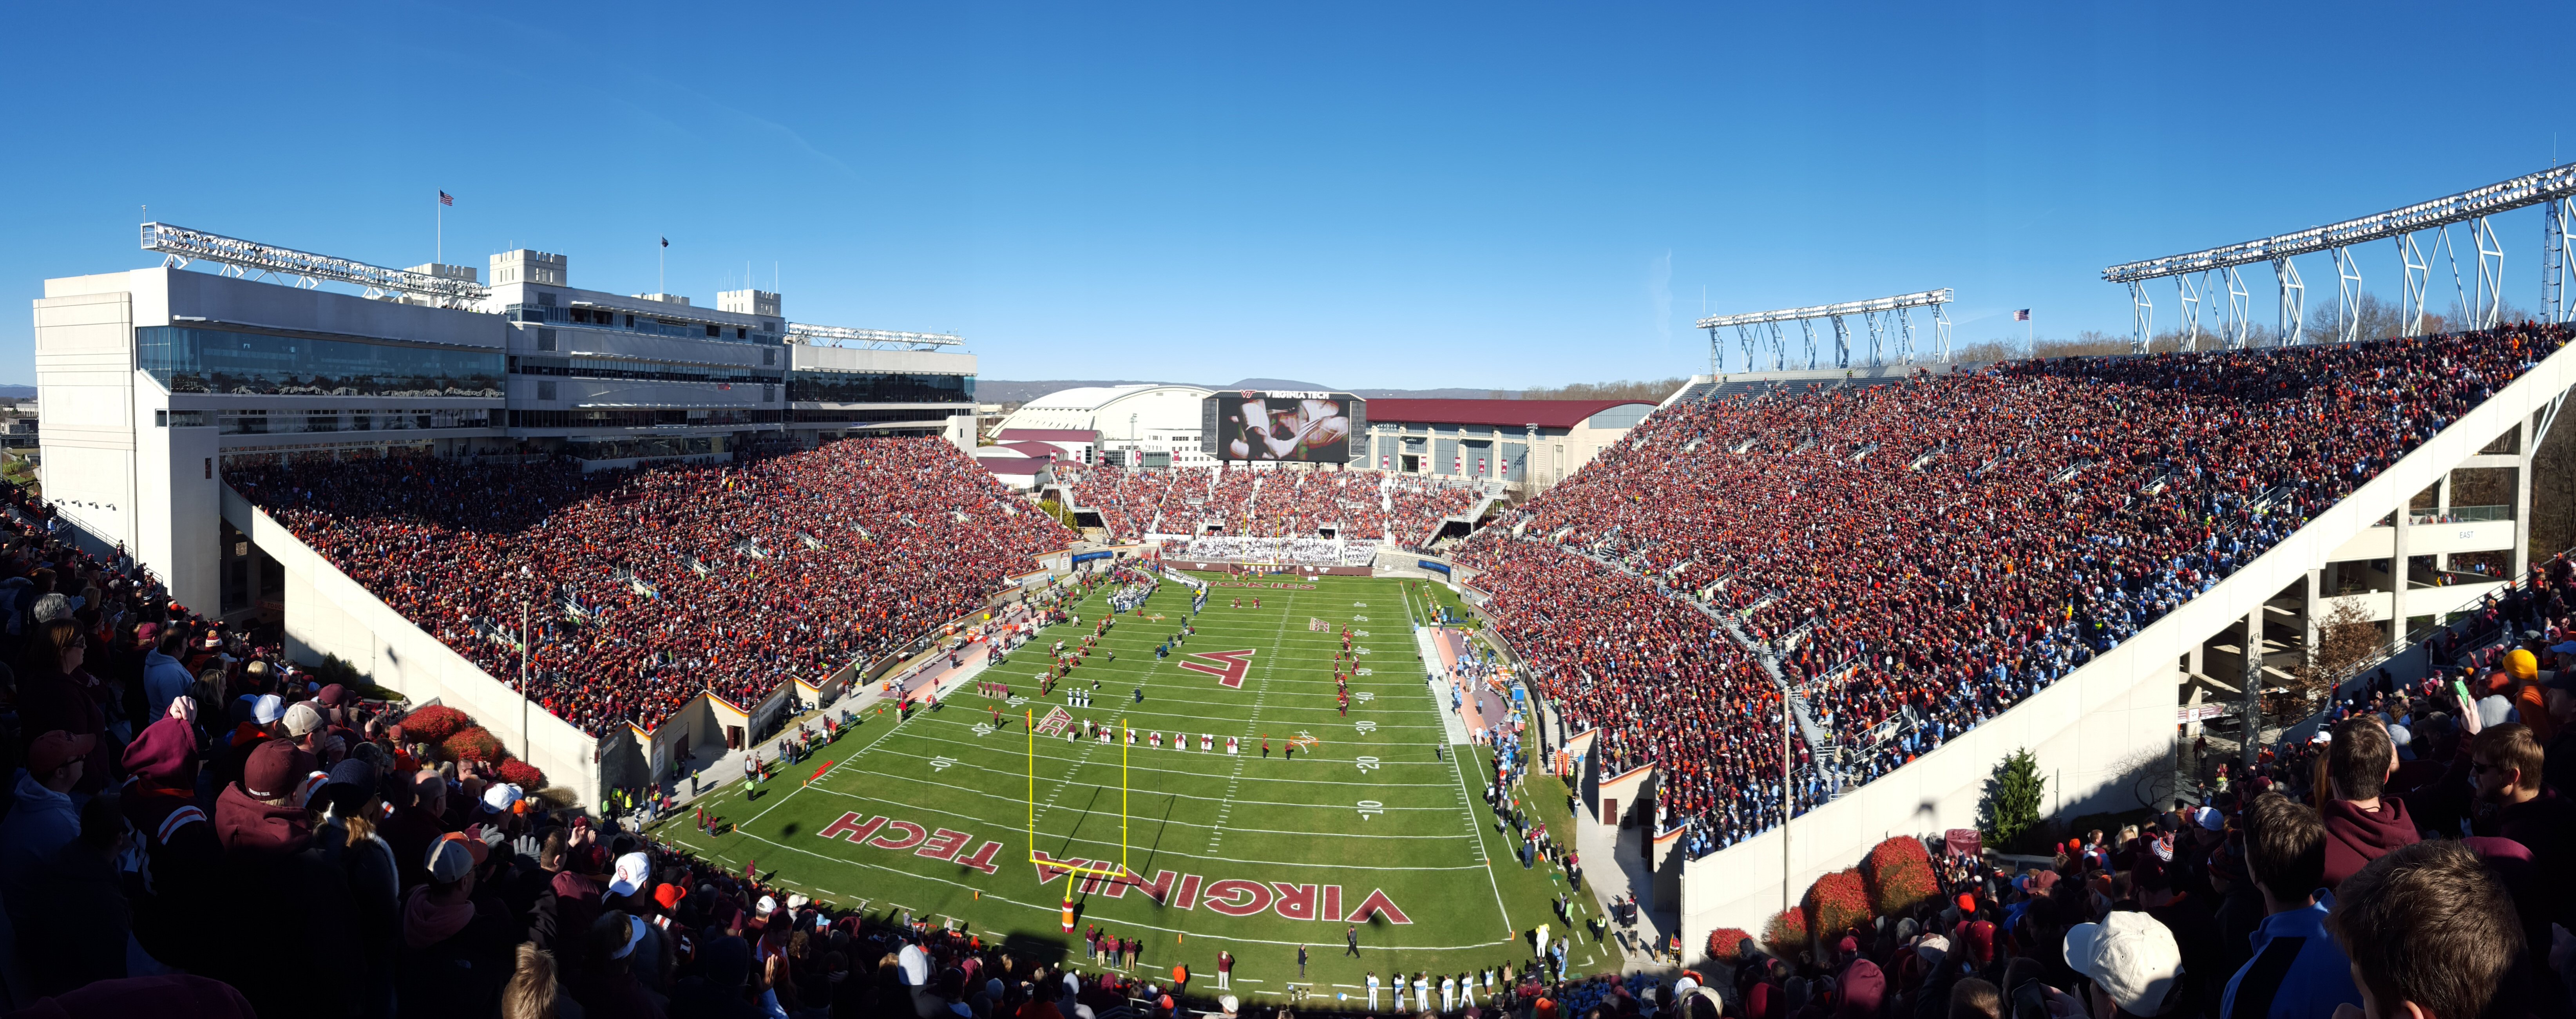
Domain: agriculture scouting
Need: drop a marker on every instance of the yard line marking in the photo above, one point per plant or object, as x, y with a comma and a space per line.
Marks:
791, 794
1227, 719
1256, 751
1050, 908
1229, 859
1479, 831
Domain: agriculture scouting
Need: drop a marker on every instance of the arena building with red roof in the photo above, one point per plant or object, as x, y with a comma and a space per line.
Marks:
1525, 444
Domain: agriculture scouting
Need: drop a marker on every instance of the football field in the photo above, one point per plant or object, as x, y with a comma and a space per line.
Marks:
1373, 819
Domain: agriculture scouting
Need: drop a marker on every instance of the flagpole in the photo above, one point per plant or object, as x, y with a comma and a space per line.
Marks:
438, 253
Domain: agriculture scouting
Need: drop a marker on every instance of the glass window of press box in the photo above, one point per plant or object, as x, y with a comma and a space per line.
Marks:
807, 385
220, 361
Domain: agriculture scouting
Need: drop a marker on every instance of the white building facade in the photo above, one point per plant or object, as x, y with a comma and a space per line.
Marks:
1139, 425
156, 378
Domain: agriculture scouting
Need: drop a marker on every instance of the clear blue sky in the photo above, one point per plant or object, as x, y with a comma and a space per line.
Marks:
1369, 195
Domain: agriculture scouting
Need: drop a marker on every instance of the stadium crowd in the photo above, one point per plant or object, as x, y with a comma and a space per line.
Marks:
2415, 851
2017, 521
1363, 504
652, 585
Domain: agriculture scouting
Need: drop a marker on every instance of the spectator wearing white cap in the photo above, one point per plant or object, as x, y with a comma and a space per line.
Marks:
630, 889
607, 985
2133, 963
459, 945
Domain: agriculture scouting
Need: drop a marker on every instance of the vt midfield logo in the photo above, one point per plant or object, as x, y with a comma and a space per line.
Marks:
1227, 666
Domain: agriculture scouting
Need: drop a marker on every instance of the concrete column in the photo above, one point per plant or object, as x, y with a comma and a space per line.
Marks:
2316, 590
2442, 504
2397, 576
2253, 683
2523, 449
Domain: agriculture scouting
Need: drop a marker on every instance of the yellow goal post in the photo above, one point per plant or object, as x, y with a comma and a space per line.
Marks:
1125, 736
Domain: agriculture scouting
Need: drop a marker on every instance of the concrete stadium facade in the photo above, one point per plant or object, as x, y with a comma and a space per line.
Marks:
2104, 732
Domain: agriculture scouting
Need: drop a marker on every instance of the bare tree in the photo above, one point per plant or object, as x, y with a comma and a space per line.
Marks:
2347, 640
1652, 389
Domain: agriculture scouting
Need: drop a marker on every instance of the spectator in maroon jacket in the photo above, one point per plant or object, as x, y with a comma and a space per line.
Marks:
2361, 826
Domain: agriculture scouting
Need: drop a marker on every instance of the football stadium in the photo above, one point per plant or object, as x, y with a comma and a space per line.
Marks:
486, 640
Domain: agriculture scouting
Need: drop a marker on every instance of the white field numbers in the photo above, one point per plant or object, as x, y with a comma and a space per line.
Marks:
1371, 808
1366, 763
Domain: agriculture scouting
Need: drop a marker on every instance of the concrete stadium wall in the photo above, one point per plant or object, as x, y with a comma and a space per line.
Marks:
2099, 729
328, 613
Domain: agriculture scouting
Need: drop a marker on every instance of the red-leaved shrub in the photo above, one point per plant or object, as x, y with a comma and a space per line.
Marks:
522, 774
1787, 932
1899, 876
1726, 944
434, 724
474, 744
1836, 903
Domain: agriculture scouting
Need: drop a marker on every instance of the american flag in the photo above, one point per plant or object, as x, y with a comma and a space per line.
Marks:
2022, 315
446, 199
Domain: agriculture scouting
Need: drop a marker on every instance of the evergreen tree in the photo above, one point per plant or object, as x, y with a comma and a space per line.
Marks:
2013, 799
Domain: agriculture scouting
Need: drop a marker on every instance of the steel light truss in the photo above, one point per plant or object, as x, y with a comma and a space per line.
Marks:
2554, 252
1898, 321
2528, 189
2554, 188
180, 246
868, 339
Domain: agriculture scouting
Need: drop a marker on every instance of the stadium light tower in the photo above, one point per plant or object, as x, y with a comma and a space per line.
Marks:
179, 246
1889, 321
2553, 189
868, 339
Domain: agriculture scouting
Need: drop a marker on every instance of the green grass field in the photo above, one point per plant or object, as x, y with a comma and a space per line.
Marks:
1252, 854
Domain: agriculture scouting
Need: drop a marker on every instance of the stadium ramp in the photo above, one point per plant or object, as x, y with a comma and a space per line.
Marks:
2100, 730
328, 613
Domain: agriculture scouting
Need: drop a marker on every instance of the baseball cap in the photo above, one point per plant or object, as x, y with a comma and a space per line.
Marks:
1980, 937
302, 719
633, 870
669, 896
634, 933
333, 694
52, 749
2130, 957
1229, 1003
266, 708
270, 772
2210, 818
162, 750
448, 861
311, 786
500, 797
